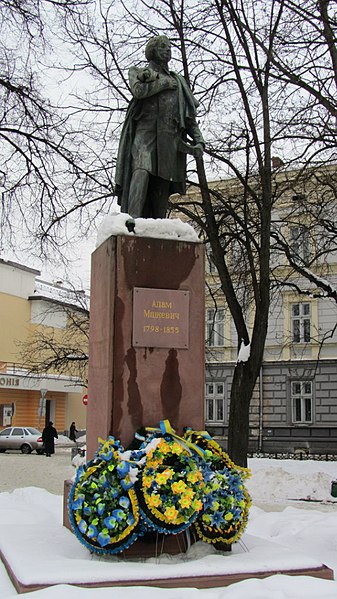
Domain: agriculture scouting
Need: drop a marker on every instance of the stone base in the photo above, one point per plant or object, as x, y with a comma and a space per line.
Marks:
199, 582
33, 562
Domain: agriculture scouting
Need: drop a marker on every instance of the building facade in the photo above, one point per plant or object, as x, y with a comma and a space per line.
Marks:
28, 307
294, 405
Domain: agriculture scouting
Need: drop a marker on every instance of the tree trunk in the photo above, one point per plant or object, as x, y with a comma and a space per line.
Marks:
238, 428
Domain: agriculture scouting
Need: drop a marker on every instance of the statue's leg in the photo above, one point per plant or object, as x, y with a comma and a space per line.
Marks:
138, 193
159, 190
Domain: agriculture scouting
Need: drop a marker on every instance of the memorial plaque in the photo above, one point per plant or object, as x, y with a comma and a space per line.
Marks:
160, 318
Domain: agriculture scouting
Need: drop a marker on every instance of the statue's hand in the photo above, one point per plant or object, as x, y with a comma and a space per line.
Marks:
172, 83
147, 75
198, 150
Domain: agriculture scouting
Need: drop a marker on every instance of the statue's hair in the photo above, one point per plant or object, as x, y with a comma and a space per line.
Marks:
151, 45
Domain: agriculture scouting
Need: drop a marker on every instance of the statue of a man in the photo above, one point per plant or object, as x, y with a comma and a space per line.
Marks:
151, 163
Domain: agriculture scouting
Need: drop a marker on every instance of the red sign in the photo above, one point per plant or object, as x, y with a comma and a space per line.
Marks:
85, 399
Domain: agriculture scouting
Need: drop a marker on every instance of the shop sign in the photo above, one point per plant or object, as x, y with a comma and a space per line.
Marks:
9, 381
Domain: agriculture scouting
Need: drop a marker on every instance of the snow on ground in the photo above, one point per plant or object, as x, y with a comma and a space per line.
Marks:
277, 516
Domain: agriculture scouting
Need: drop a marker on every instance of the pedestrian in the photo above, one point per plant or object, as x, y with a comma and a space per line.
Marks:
72, 432
49, 433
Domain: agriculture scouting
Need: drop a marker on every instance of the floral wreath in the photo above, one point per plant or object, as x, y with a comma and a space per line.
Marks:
170, 489
226, 500
166, 483
103, 506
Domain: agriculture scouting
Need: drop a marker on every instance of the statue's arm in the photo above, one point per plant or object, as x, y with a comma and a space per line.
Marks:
194, 132
145, 83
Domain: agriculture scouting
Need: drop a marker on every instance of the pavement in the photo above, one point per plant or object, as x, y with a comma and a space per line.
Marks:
33, 470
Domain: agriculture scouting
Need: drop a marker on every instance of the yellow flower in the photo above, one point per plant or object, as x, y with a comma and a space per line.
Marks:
154, 500
189, 492
160, 478
178, 487
185, 501
168, 473
229, 516
176, 448
164, 446
197, 505
171, 513
193, 477
147, 481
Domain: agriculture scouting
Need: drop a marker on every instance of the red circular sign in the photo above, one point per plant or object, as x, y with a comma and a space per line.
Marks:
85, 399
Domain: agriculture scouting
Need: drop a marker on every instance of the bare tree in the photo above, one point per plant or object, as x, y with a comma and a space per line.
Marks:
61, 351
48, 168
266, 79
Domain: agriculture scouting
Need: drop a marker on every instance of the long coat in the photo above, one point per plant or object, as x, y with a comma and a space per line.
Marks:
48, 435
155, 128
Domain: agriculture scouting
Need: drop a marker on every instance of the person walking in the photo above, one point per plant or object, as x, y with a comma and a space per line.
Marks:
72, 432
49, 433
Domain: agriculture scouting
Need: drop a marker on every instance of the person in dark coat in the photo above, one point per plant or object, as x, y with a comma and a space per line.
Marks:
72, 432
49, 433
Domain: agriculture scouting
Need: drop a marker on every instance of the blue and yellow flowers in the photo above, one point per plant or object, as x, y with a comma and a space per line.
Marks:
171, 486
166, 485
103, 514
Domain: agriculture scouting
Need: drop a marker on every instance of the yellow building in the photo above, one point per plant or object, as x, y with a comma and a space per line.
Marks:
29, 306
294, 405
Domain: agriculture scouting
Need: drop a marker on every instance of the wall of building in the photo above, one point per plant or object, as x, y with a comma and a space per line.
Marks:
271, 426
21, 315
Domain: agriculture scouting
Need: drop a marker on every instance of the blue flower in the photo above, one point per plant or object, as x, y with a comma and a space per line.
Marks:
124, 502
118, 514
83, 526
126, 485
100, 508
208, 501
130, 520
77, 503
123, 468
217, 518
103, 539
103, 481
107, 456
92, 531
114, 492
87, 510
110, 522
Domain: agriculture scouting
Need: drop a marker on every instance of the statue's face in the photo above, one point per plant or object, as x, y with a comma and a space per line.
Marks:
162, 51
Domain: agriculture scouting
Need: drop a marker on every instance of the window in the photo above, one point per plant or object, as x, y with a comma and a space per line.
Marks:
5, 432
301, 400
299, 242
215, 402
215, 327
17, 432
301, 322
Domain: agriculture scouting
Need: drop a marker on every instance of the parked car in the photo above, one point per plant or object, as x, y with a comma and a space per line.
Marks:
25, 438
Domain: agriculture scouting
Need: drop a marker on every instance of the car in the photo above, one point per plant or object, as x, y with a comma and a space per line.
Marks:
24, 438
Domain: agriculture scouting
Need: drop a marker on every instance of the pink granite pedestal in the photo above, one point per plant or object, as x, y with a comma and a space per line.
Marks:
132, 382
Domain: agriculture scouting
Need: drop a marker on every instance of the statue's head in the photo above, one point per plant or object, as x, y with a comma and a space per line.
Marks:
158, 49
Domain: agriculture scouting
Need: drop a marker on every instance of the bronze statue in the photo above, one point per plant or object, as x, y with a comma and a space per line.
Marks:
151, 163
